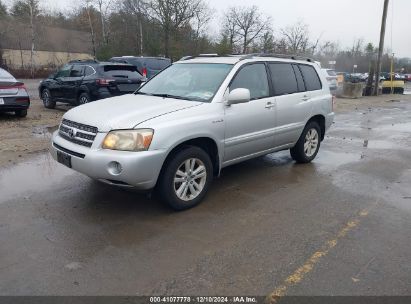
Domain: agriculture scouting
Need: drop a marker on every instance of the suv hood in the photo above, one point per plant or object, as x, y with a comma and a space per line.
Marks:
126, 111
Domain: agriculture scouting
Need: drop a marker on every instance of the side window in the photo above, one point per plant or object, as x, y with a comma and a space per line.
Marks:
64, 71
77, 71
89, 71
300, 79
311, 79
254, 78
283, 78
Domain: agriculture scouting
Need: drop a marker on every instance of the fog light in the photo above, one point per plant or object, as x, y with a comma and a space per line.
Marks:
114, 168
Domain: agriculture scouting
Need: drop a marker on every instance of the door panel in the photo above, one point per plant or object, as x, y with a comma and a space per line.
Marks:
72, 82
58, 88
250, 126
293, 102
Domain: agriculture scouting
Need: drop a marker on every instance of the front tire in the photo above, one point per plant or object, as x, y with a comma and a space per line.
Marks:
47, 99
308, 144
186, 177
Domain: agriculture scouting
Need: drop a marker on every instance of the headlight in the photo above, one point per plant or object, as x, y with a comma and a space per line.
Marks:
128, 140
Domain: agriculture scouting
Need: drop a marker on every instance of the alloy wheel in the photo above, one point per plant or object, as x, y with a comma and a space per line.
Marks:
190, 179
311, 142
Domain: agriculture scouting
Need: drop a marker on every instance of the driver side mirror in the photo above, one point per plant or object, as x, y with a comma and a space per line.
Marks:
239, 95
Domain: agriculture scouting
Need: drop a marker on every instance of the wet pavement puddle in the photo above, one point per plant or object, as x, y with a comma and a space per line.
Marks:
38, 174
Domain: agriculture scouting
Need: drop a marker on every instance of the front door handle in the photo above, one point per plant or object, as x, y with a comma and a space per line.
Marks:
269, 105
305, 98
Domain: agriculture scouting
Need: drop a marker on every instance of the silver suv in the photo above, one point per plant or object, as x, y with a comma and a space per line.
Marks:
193, 119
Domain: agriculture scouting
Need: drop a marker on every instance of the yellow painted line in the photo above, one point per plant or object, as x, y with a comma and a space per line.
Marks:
298, 275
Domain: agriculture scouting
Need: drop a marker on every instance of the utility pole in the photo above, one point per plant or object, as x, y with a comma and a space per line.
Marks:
381, 47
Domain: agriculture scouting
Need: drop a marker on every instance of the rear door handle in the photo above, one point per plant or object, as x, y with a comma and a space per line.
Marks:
305, 98
269, 105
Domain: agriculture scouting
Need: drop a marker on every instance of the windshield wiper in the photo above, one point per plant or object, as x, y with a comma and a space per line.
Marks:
171, 96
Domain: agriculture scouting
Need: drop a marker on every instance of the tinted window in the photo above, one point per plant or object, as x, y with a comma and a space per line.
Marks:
76, 71
89, 71
121, 71
157, 64
254, 78
64, 72
311, 79
300, 79
283, 77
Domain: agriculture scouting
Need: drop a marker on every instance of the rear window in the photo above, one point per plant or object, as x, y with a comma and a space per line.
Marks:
5, 75
150, 63
311, 79
119, 71
157, 64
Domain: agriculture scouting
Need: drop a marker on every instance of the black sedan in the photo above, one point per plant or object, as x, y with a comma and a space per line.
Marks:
13, 95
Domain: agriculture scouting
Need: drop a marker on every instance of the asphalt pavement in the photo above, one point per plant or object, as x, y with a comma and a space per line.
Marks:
338, 226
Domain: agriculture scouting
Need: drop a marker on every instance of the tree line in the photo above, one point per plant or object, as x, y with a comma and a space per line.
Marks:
176, 28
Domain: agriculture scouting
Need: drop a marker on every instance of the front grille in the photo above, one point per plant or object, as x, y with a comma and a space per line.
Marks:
78, 133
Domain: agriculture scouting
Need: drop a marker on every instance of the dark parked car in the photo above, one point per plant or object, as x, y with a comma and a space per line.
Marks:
13, 95
147, 66
80, 82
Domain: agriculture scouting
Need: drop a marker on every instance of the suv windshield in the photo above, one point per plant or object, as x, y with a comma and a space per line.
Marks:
191, 81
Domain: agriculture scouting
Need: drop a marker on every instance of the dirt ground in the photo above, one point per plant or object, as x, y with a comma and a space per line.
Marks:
21, 138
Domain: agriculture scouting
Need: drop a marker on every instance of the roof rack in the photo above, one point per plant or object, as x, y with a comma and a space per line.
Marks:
83, 61
293, 57
200, 56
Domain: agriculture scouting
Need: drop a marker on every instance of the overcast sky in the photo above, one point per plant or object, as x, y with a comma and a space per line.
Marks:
336, 20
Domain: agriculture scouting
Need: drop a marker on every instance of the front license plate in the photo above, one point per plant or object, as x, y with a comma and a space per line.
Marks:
64, 159
1, 101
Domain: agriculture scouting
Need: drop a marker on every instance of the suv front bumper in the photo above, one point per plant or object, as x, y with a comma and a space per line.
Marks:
139, 169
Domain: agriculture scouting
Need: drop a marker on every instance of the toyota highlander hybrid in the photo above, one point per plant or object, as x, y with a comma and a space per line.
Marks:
180, 129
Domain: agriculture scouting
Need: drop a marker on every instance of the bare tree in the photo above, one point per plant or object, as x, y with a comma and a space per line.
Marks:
173, 15
246, 24
267, 42
138, 8
88, 8
230, 28
201, 19
103, 8
28, 11
296, 38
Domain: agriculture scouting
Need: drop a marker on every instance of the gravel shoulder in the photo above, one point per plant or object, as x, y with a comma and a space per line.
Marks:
21, 138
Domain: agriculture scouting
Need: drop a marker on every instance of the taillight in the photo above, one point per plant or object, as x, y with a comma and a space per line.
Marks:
18, 85
22, 99
144, 72
104, 82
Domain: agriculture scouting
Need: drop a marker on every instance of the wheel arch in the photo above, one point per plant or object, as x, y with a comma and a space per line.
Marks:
320, 119
81, 90
208, 144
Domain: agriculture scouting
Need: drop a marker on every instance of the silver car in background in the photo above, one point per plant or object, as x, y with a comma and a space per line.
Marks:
198, 116
13, 95
331, 77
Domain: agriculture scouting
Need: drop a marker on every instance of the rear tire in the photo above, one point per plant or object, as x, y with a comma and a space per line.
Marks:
185, 178
21, 113
308, 144
83, 99
47, 99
